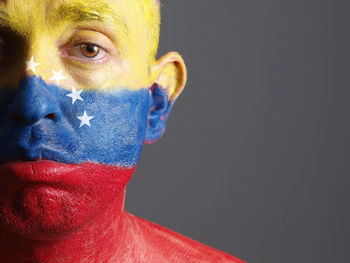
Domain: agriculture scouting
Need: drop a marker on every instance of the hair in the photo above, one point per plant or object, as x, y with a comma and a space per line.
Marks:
151, 9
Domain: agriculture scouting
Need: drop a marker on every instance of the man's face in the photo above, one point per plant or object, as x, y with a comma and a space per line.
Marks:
77, 101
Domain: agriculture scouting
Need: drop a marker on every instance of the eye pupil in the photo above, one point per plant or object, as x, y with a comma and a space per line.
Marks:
90, 50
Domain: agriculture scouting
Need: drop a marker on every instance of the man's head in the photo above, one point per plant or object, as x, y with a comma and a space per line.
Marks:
81, 91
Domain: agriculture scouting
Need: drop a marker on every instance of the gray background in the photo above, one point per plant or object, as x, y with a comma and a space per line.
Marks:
255, 161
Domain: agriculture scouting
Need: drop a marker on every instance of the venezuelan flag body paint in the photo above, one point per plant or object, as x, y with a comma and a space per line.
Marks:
62, 148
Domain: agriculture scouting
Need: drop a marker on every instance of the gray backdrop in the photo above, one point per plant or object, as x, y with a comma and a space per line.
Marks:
255, 161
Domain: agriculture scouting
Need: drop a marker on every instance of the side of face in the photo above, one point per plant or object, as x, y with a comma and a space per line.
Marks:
80, 94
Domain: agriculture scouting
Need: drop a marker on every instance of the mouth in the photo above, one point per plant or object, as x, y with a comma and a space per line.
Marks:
61, 174
39, 171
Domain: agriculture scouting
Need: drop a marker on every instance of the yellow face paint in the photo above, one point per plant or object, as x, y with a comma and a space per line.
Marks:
100, 44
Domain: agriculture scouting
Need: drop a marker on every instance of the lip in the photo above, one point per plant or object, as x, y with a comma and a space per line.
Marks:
40, 171
61, 175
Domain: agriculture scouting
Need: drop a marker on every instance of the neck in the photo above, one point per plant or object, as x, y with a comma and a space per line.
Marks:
96, 241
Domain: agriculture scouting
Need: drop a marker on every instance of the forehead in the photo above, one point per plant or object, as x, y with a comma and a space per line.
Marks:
28, 15
53, 11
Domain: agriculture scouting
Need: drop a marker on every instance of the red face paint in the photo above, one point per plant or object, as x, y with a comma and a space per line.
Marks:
46, 199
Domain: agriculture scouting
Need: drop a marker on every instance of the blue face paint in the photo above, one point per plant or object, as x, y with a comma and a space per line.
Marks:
158, 115
39, 120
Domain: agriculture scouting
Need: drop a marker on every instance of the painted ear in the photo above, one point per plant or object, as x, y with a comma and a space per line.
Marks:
171, 75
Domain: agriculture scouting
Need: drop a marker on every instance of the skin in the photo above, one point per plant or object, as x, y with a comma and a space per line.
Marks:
75, 212
53, 35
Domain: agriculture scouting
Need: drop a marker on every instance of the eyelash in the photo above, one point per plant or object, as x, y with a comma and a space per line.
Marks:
72, 52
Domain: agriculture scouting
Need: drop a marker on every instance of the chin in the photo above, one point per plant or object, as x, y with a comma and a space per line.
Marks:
44, 207
43, 212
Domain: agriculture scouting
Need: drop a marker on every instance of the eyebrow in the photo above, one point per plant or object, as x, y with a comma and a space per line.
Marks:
88, 11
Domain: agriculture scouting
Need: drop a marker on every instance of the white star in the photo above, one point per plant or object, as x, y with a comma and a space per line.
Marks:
31, 65
85, 119
57, 76
75, 95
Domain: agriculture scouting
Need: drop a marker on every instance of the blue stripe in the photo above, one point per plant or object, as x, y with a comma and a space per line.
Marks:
28, 131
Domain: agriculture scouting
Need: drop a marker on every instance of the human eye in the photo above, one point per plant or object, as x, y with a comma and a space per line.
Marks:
87, 51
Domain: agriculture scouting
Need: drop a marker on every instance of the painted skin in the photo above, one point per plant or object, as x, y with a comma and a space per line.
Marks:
80, 92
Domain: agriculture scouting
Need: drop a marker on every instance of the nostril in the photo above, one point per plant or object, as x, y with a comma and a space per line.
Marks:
51, 116
19, 118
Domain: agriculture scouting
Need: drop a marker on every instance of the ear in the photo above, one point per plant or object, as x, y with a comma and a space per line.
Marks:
170, 76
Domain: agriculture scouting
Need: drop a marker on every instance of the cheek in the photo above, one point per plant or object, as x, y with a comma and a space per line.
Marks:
116, 132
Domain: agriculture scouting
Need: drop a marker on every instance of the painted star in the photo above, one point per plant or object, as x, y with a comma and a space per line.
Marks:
75, 95
57, 76
85, 119
31, 65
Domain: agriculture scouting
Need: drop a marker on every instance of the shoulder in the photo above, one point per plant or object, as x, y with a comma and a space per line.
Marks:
171, 246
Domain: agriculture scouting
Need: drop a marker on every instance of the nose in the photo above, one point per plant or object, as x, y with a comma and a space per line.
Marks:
33, 103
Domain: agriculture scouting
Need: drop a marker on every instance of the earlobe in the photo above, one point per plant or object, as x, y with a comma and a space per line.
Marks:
170, 79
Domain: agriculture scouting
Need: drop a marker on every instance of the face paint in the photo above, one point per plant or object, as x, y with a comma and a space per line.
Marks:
82, 144
48, 122
68, 149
